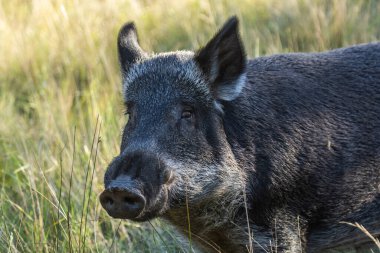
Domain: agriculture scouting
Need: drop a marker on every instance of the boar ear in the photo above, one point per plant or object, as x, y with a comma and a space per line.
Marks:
128, 47
223, 62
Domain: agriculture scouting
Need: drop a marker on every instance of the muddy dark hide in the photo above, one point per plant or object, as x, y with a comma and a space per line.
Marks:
275, 154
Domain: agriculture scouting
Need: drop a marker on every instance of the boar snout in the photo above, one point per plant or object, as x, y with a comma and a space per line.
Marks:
122, 202
134, 185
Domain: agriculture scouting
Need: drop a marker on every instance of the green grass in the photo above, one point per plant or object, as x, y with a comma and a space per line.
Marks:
59, 81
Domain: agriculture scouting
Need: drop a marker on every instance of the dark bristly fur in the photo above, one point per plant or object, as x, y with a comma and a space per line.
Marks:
291, 140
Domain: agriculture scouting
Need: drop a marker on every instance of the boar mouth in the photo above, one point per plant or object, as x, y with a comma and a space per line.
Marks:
155, 207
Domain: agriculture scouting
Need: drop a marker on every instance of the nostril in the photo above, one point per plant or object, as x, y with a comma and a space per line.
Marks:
108, 201
132, 200
129, 200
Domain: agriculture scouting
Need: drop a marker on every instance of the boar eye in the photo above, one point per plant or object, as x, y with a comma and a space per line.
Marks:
187, 113
128, 108
127, 113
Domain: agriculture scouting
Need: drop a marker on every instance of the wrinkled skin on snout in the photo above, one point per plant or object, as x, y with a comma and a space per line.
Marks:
141, 189
174, 151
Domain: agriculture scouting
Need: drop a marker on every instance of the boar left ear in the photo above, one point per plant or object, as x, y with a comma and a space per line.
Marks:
129, 48
223, 62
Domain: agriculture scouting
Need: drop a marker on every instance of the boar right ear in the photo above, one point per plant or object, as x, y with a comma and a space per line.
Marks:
223, 62
129, 48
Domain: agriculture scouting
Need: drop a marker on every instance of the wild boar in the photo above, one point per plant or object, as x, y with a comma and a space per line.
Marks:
268, 154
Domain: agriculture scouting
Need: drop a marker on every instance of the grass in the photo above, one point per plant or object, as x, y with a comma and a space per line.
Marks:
61, 109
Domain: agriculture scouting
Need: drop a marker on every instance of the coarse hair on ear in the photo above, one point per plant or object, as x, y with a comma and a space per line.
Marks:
128, 48
223, 62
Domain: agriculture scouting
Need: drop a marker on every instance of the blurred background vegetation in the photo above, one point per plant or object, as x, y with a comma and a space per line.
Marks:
61, 112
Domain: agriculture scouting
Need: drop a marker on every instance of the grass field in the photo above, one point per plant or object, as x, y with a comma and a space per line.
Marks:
61, 112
